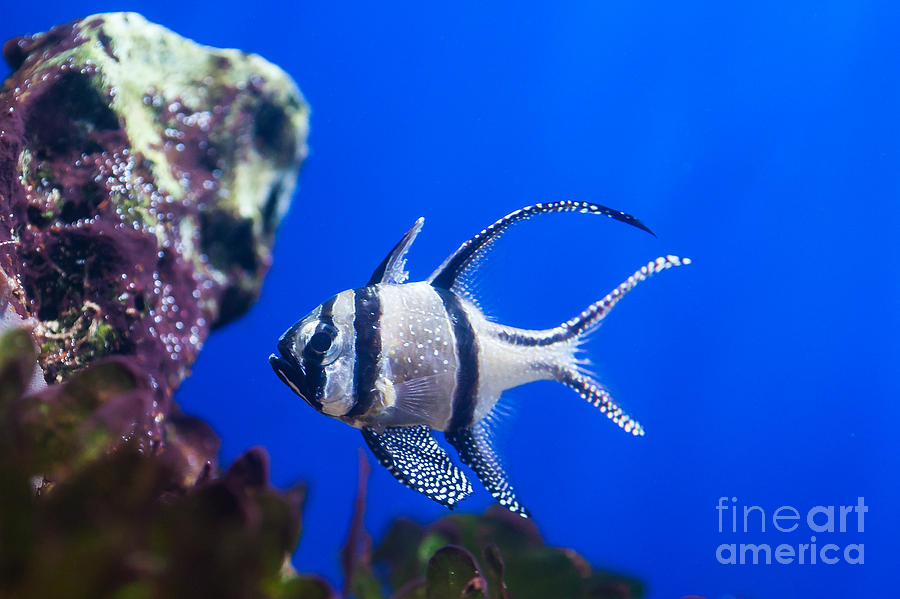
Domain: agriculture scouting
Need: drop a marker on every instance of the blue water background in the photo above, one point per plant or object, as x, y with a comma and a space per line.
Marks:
760, 139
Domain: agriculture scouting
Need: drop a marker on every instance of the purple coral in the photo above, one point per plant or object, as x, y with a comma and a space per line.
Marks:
137, 214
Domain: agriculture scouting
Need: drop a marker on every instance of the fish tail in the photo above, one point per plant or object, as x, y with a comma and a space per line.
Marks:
574, 331
582, 324
596, 395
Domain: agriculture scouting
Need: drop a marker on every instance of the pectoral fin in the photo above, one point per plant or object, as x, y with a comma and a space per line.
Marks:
417, 400
477, 452
413, 456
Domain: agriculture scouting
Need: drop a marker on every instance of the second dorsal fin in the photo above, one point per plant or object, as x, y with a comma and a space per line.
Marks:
392, 269
469, 252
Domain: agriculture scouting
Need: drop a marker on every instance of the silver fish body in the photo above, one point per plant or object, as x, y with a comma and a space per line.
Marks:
399, 360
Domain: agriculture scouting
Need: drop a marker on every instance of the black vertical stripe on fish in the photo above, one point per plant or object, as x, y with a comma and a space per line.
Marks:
368, 347
469, 251
314, 372
327, 313
467, 359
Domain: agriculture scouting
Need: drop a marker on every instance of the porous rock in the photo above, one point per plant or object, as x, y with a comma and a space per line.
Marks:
142, 177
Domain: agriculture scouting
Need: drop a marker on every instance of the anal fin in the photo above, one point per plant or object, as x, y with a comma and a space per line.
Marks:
413, 456
476, 451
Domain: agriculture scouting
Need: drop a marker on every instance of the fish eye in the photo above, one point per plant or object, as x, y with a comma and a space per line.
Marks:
321, 342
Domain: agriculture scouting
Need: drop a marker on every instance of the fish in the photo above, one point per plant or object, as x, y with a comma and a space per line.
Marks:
402, 360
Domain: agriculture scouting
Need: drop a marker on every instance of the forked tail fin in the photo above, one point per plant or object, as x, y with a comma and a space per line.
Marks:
574, 330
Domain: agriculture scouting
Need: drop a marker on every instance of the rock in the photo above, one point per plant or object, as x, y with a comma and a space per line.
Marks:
142, 177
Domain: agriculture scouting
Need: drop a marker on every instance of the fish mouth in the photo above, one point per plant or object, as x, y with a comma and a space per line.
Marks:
291, 374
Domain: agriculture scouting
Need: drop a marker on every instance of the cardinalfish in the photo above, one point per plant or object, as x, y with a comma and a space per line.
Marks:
401, 360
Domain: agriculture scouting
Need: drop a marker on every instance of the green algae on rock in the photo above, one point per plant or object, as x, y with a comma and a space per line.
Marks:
142, 177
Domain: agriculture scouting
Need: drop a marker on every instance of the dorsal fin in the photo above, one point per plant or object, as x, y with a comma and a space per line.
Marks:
392, 269
469, 252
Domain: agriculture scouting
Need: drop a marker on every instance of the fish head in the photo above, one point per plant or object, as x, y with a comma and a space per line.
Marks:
315, 357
